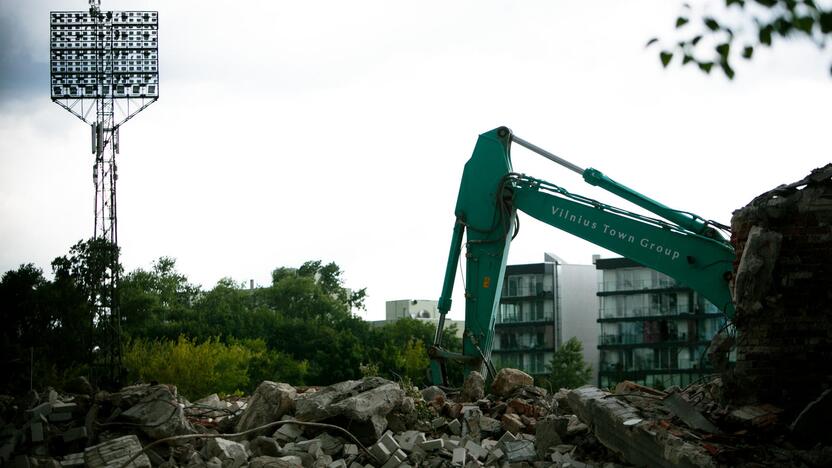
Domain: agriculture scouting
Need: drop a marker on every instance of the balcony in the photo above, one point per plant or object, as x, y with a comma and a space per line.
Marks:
512, 319
639, 339
509, 293
637, 285
520, 347
609, 313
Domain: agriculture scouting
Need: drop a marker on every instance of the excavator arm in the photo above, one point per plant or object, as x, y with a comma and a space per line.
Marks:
681, 245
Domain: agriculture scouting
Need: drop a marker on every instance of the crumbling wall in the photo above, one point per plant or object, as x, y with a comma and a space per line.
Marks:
783, 294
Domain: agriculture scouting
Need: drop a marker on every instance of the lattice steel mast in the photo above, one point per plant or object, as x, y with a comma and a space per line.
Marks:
106, 62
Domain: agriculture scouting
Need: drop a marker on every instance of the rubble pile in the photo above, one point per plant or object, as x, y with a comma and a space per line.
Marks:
374, 422
368, 422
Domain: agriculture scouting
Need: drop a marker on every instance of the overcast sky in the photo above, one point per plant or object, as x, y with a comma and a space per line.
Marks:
290, 131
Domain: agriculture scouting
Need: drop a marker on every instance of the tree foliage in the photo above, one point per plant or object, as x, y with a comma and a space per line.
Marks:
567, 368
300, 329
718, 40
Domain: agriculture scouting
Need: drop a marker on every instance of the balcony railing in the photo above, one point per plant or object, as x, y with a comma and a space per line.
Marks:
636, 285
519, 346
525, 292
657, 311
648, 366
520, 319
639, 338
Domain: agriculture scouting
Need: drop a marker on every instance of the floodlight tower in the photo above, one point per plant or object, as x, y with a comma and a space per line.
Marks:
105, 70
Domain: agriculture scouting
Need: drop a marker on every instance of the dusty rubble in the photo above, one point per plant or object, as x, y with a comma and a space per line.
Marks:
376, 422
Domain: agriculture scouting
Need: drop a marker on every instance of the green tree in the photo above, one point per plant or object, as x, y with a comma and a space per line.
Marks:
155, 303
567, 368
415, 361
197, 369
27, 324
709, 40
79, 299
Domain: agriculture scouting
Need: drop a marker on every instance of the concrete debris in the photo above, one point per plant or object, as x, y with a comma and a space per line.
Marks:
360, 404
231, 454
520, 451
637, 426
268, 403
115, 453
508, 380
759, 416
473, 388
432, 393
159, 414
680, 407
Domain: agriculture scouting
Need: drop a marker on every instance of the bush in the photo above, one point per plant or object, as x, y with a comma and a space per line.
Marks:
196, 369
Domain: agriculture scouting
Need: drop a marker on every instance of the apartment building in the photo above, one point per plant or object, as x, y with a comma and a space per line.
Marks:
652, 329
542, 306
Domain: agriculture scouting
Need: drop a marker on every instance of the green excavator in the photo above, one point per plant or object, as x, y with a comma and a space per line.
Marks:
680, 244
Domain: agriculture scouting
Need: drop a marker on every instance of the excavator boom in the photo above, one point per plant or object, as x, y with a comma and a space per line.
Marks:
681, 245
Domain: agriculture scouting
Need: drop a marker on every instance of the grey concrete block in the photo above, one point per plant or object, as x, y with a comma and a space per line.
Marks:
76, 433
37, 430
61, 407
389, 442
507, 437
350, 449
42, 409
60, 417
288, 432
379, 453
432, 445
476, 450
408, 440
73, 459
395, 459
323, 461
520, 451
459, 456
455, 427
116, 452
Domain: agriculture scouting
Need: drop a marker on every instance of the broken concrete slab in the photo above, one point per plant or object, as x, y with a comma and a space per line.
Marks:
641, 444
519, 451
432, 393
508, 380
758, 416
475, 450
265, 446
547, 434
364, 403
275, 462
269, 403
473, 388
685, 411
160, 414
410, 439
231, 454
288, 432
114, 453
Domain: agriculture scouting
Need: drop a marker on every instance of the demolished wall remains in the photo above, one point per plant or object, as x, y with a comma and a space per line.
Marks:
782, 280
